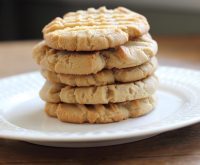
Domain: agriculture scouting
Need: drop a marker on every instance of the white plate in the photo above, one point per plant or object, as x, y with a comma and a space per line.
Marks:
22, 117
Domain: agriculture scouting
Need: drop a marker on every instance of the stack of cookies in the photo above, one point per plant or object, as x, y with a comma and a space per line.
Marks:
99, 66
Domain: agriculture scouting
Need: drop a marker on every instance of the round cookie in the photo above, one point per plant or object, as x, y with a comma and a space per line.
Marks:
76, 113
94, 29
105, 76
55, 93
133, 53
50, 92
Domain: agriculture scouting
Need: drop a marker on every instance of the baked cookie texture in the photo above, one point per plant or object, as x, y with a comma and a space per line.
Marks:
94, 29
132, 53
104, 77
99, 66
99, 94
100, 113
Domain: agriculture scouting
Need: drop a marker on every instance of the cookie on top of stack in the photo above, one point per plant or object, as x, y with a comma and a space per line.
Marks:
99, 66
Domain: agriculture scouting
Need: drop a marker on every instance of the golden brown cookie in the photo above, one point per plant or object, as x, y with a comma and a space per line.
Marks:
50, 92
94, 29
133, 53
105, 76
99, 94
108, 113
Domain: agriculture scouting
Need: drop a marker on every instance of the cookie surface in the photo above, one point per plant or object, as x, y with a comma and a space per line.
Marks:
133, 53
94, 29
55, 93
105, 76
76, 113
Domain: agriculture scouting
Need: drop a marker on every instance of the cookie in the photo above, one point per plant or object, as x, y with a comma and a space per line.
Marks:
99, 94
133, 53
50, 92
108, 113
104, 77
94, 29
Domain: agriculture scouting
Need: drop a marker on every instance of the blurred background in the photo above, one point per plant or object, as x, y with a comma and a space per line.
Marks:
24, 19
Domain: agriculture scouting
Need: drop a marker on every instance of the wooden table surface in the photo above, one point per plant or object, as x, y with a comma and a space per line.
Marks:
176, 147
